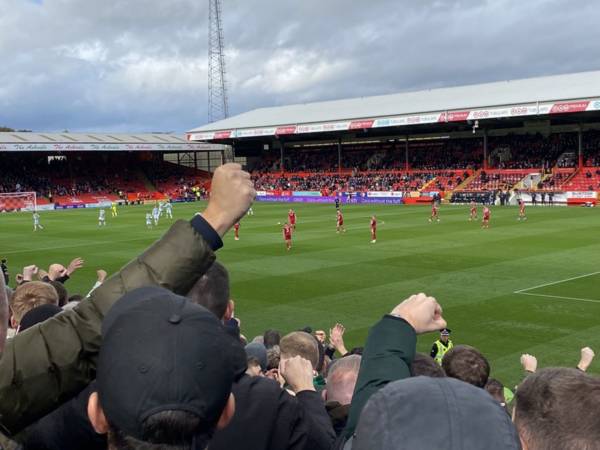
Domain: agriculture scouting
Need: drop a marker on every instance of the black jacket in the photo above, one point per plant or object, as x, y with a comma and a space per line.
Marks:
268, 418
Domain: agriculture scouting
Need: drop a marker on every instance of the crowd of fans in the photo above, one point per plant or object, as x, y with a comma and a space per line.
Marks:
153, 358
522, 151
93, 173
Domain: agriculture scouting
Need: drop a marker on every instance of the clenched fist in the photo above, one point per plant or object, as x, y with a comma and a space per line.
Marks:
232, 193
422, 312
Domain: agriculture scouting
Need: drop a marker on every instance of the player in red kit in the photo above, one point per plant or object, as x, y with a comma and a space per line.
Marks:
340, 222
473, 215
236, 229
287, 236
373, 229
522, 215
434, 213
486, 218
292, 219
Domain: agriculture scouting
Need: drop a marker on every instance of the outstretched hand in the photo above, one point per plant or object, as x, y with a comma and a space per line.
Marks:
422, 312
336, 337
77, 263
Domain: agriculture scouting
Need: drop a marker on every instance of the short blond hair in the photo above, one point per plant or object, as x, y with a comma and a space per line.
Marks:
31, 295
301, 344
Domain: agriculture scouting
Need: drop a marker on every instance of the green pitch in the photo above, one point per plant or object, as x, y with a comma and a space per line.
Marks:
552, 260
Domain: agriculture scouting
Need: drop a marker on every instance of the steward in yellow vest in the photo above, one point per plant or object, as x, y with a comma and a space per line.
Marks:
441, 346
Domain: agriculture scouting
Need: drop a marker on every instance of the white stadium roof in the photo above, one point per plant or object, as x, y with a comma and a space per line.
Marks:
492, 100
47, 142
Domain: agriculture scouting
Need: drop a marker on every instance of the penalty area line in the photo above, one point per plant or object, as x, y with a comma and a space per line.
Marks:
587, 300
522, 291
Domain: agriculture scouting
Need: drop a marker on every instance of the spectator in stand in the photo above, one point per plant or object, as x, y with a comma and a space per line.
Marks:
496, 390
424, 365
467, 364
557, 409
271, 338
390, 406
153, 339
212, 292
177, 260
341, 380
300, 343
28, 296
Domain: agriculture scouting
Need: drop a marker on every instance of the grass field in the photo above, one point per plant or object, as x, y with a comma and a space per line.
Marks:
518, 287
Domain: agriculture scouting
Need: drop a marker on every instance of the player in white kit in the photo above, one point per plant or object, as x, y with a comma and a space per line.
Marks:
148, 220
36, 222
155, 215
169, 210
102, 218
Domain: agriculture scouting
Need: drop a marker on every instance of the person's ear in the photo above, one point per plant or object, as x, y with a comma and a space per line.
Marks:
227, 413
13, 323
96, 414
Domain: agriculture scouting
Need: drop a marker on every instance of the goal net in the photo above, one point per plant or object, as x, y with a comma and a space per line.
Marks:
18, 201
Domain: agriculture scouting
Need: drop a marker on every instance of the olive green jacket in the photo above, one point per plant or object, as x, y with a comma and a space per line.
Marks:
50, 363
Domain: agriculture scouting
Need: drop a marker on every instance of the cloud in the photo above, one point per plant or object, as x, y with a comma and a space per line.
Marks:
141, 65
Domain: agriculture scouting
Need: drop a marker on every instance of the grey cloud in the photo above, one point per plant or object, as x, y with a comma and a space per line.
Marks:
140, 65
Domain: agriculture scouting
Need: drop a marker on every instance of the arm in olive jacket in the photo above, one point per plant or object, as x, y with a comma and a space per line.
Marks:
387, 357
51, 362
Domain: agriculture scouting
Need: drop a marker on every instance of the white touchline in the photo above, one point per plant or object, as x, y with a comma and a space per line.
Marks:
588, 300
520, 291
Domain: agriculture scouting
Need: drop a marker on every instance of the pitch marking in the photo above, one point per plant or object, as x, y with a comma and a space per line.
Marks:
588, 300
521, 291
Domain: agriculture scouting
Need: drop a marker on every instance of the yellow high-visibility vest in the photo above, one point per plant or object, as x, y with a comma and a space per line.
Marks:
442, 349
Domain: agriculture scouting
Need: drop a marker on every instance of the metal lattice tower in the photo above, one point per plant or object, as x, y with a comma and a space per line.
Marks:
217, 88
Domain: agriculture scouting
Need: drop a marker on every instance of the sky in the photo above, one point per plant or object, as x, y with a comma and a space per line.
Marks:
141, 65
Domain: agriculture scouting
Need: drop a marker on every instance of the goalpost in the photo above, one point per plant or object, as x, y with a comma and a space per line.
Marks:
18, 201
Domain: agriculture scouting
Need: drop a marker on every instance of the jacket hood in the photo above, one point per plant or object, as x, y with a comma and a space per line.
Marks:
434, 414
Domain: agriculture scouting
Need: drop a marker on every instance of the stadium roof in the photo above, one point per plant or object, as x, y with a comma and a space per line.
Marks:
48, 142
576, 92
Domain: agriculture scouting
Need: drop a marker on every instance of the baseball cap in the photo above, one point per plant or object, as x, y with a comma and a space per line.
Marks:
259, 351
161, 352
399, 417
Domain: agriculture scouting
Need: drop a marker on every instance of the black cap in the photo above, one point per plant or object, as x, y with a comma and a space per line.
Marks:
38, 315
445, 331
161, 352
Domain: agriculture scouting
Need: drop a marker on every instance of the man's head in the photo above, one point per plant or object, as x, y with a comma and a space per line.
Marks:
164, 374
557, 408
56, 271
300, 343
28, 296
496, 390
445, 335
466, 364
424, 365
212, 291
341, 379
271, 338
259, 352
